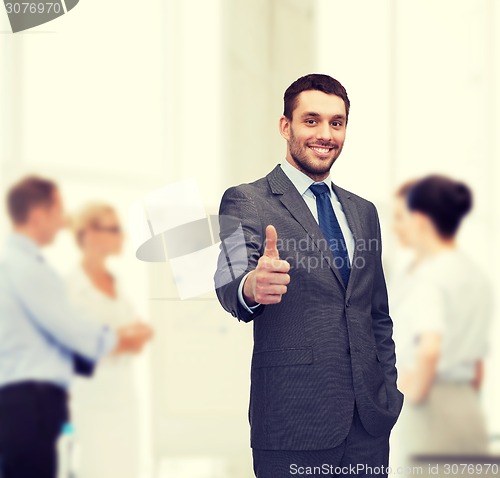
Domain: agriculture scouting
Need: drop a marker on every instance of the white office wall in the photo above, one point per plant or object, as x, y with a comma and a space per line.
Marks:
353, 45
194, 127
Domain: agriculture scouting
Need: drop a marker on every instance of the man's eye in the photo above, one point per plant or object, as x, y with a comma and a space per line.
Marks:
336, 124
310, 121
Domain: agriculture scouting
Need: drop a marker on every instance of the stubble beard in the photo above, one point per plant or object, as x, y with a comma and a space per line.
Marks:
314, 169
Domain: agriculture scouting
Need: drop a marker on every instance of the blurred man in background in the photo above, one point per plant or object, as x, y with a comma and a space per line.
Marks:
42, 336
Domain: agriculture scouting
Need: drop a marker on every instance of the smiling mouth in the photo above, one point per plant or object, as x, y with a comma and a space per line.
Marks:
321, 150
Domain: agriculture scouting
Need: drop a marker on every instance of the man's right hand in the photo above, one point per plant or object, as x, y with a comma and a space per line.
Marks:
132, 338
267, 283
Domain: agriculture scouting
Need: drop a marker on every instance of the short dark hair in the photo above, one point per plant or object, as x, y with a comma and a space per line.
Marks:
444, 200
27, 193
314, 81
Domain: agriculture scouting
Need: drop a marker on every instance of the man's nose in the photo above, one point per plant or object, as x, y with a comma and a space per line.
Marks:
324, 131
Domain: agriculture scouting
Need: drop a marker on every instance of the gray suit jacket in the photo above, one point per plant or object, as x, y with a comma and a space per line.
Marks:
323, 347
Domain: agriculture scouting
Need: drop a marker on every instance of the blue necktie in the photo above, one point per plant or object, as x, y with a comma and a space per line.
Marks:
330, 228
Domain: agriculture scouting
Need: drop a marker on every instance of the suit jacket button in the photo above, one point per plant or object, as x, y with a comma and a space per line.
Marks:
348, 304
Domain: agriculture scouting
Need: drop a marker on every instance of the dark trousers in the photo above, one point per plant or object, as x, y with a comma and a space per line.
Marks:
360, 455
31, 417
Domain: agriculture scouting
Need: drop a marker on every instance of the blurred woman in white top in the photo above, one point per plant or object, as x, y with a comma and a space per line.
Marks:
441, 308
105, 408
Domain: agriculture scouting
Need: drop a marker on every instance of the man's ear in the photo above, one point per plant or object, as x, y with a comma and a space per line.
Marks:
36, 215
284, 126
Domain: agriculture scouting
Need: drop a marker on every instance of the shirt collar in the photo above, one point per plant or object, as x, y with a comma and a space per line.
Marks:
24, 242
300, 180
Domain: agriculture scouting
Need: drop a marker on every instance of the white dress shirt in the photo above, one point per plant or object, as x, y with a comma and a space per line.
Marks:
302, 182
449, 295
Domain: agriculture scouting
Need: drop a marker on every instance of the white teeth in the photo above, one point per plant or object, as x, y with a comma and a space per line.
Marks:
321, 150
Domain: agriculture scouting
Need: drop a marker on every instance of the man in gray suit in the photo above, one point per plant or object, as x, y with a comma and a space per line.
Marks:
306, 269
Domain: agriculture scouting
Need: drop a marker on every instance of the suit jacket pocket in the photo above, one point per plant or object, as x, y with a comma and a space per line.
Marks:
283, 357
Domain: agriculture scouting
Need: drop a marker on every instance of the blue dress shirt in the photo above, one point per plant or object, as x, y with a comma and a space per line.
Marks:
40, 330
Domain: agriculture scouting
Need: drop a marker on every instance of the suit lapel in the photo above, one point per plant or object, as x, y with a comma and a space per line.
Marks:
290, 198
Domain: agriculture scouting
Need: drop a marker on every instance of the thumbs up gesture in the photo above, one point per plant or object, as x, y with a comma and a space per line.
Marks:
267, 283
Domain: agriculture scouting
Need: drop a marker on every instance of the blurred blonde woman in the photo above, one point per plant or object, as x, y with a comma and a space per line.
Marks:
105, 408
